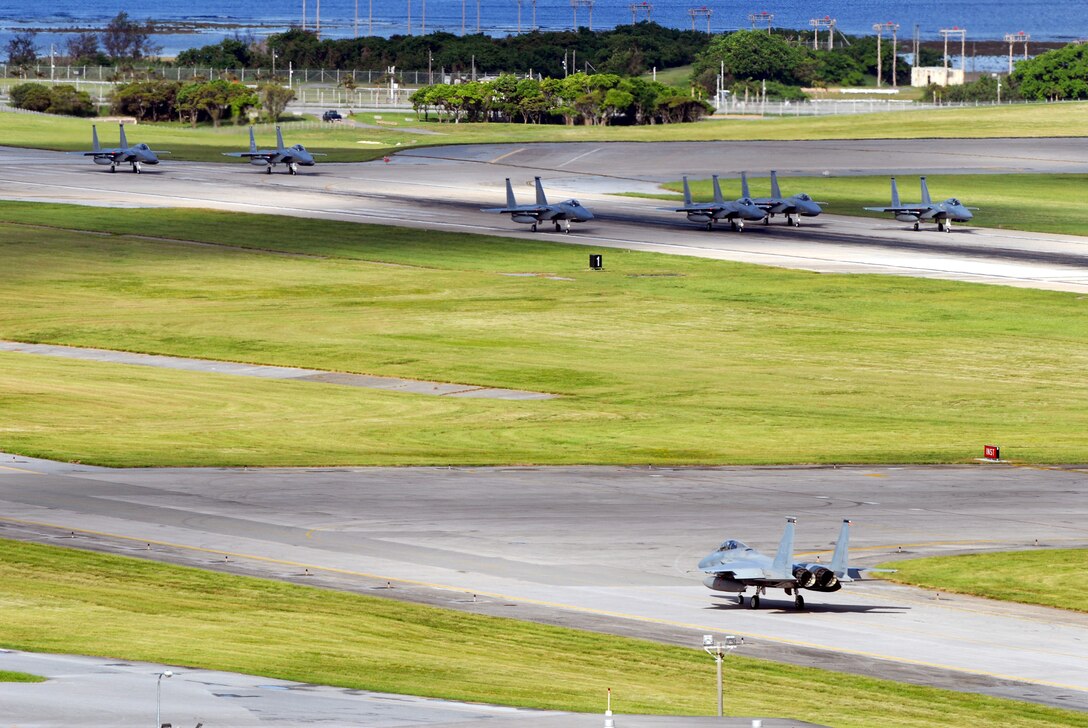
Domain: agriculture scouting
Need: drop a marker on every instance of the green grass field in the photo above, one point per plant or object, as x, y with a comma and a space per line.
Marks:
1034, 202
344, 144
659, 359
129, 609
19, 677
1048, 577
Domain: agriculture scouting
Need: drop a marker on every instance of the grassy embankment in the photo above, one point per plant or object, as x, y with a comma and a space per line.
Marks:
343, 143
129, 609
1033, 202
1048, 577
660, 359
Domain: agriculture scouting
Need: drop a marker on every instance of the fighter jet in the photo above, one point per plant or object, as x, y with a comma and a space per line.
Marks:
943, 213
794, 208
136, 155
734, 567
294, 157
565, 212
735, 211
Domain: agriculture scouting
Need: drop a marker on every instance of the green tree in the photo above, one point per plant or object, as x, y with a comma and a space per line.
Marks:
154, 100
274, 99
750, 55
65, 99
125, 38
31, 96
1058, 74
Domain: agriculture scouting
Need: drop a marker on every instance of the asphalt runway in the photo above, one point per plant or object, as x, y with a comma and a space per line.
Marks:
613, 549
445, 187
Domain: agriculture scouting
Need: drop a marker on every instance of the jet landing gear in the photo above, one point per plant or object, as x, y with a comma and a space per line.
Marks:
709, 225
737, 225
798, 600
753, 603
136, 167
915, 227
292, 168
533, 228
268, 169
113, 168
794, 221
565, 226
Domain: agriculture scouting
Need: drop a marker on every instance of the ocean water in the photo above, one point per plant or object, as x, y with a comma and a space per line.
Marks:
982, 20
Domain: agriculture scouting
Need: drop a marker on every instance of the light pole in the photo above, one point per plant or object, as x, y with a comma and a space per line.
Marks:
717, 650
158, 696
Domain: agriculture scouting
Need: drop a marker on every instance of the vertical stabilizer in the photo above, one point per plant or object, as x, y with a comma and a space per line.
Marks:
510, 201
776, 193
925, 192
124, 142
895, 194
744, 185
540, 198
94, 138
718, 199
783, 558
687, 194
842, 548
279, 140
252, 141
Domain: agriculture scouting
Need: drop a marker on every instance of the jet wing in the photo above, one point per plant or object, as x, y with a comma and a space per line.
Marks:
697, 208
517, 210
247, 155
897, 210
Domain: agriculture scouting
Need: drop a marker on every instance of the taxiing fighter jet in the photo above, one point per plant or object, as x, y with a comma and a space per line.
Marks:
137, 155
734, 567
735, 211
294, 157
794, 208
560, 212
943, 213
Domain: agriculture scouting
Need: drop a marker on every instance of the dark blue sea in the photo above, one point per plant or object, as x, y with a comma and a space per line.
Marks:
1063, 21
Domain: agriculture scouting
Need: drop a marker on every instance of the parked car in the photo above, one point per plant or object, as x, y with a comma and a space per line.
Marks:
331, 115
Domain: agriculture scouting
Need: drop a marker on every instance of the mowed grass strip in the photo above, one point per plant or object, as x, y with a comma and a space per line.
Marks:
1034, 202
659, 359
392, 131
1048, 577
129, 609
7, 676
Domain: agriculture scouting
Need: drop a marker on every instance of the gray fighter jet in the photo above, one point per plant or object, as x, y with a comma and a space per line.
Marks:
294, 157
735, 211
943, 213
560, 212
794, 207
137, 155
734, 567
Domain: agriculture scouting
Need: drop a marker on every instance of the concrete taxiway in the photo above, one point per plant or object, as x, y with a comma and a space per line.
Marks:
444, 188
612, 549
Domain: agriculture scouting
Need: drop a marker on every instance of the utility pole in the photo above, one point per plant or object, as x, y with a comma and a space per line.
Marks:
575, 4
760, 18
477, 17
962, 33
718, 650
463, 2
409, 17
356, 26
825, 22
304, 14
892, 28
637, 8
703, 12
423, 19
1013, 38
519, 15
317, 19
370, 20
879, 28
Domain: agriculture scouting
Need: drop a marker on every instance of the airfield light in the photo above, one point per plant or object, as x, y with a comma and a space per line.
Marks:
158, 696
718, 650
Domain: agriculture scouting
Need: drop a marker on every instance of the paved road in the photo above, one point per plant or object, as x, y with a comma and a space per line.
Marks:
612, 549
444, 188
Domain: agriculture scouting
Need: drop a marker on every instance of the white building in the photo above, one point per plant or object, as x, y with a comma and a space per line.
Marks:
926, 75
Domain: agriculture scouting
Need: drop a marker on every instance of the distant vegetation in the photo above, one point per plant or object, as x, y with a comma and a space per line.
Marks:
600, 99
215, 101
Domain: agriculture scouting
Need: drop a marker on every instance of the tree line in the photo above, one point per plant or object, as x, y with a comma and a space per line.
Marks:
163, 100
598, 99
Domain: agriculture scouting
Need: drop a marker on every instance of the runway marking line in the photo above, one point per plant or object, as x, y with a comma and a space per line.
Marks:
501, 157
544, 603
20, 470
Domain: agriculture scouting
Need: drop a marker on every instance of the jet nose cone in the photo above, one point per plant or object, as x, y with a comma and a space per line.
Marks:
966, 214
586, 214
